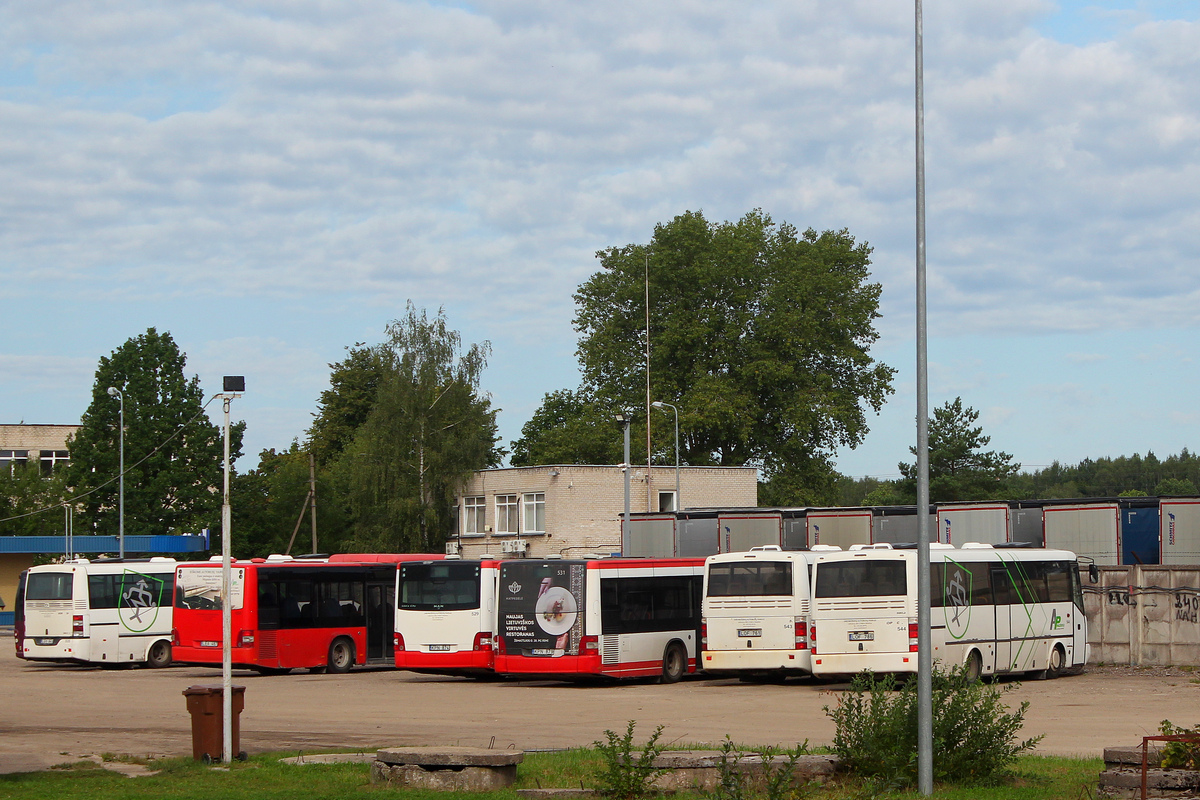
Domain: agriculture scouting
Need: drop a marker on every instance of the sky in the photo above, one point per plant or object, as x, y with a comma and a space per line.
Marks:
272, 181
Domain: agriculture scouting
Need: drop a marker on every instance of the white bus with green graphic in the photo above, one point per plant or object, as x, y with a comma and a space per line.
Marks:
108, 612
996, 610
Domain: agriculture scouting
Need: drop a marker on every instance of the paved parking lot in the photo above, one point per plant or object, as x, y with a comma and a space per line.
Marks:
50, 710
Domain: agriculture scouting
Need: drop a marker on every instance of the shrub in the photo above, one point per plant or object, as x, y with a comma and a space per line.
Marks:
625, 776
974, 733
1180, 755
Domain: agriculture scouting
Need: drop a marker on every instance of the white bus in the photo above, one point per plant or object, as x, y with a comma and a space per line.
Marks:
108, 612
446, 616
617, 617
996, 610
756, 612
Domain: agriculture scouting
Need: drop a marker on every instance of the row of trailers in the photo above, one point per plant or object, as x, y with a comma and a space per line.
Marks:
822, 612
1116, 531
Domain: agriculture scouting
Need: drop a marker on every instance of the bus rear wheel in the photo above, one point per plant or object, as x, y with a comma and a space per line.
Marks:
974, 666
674, 663
341, 656
159, 655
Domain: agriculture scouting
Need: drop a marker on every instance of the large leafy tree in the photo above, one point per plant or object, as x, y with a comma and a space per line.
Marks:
30, 498
346, 404
429, 428
571, 428
760, 335
173, 452
958, 467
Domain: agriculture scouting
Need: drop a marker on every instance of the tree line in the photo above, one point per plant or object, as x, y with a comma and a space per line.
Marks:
757, 333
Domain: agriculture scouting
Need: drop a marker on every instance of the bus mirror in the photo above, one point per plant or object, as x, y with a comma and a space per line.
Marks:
1093, 573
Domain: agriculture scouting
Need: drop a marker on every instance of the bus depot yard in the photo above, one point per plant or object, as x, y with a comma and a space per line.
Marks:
55, 714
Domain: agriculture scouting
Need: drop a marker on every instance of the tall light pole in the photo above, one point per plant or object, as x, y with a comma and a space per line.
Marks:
233, 387
660, 404
115, 392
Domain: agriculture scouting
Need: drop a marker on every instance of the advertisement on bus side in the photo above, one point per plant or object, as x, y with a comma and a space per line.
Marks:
541, 608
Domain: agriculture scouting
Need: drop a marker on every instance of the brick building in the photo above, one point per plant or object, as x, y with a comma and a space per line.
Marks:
568, 510
46, 444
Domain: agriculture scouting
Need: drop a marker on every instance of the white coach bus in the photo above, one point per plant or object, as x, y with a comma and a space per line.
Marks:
995, 610
756, 612
106, 612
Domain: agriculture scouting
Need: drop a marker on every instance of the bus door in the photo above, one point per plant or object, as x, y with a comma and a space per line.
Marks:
381, 619
1004, 597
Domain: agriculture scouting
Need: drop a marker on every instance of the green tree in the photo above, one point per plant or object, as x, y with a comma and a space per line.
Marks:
1175, 487
570, 428
346, 404
758, 333
269, 502
31, 499
429, 429
957, 468
173, 453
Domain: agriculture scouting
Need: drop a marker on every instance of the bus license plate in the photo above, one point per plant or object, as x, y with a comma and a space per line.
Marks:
45, 642
541, 651
439, 648
862, 636
210, 644
746, 633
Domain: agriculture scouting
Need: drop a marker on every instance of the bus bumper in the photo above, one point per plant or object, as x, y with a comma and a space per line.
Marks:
853, 663
755, 661
436, 662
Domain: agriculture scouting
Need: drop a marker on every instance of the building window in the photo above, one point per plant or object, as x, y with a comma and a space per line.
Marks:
474, 509
9, 459
534, 519
507, 513
51, 460
666, 501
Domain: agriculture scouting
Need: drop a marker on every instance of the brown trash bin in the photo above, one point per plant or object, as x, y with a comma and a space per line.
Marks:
205, 703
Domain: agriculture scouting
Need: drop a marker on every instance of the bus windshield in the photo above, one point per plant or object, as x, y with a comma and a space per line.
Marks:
743, 579
49, 586
439, 586
860, 579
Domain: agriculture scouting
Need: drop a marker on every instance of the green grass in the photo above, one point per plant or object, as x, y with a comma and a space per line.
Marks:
263, 777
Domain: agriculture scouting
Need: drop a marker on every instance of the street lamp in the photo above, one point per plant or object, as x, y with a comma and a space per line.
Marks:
660, 404
115, 392
233, 387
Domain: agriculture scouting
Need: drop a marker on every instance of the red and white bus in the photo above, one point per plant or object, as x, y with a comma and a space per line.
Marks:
328, 614
446, 616
618, 617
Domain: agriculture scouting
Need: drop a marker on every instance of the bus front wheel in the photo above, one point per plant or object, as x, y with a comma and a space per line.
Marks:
1054, 666
159, 655
341, 656
674, 663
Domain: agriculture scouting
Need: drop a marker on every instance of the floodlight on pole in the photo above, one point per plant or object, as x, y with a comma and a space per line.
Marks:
115, 392
233, 386
660, 404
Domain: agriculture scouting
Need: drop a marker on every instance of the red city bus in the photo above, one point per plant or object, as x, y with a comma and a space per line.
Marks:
619, 617
327, 614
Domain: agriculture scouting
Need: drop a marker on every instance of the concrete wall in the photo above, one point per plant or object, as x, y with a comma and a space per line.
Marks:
1144, 615
11, 566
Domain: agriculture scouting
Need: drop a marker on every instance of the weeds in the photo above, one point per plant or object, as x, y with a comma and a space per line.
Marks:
742, 779
624, 775
1180, 755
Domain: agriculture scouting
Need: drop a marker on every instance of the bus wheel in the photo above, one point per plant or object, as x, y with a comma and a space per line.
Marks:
1054, 667
159, 655
974, 666
341, 656
674, 663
